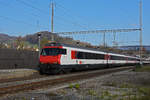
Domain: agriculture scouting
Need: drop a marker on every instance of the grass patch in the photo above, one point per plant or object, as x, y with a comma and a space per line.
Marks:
71, 86
144, 90
92, 92
76, 86
142, 69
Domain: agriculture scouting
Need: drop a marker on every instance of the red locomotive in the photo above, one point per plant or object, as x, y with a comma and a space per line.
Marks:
59, 58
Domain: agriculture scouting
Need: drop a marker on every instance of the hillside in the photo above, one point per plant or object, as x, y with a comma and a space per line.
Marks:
6, 38
33, 38
134, 47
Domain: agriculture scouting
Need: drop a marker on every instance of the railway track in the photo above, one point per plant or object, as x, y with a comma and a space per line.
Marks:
57, 80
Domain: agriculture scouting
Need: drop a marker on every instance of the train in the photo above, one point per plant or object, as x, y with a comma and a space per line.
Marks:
56, 58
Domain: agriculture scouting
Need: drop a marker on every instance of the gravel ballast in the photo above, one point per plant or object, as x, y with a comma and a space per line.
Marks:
16, 73
116, 86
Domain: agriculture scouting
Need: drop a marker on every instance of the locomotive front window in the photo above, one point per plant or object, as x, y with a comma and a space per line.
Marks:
52, 51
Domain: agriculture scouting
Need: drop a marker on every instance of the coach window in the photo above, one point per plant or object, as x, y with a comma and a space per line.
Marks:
113, 57
62, 51
93, 56
131, 59
52, 51
101, 56
117, 58
87, 55
43, 53
80, 55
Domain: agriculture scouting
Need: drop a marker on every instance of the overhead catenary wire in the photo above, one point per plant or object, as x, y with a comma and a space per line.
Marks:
35, 15
43, 11
17, 21
100, 31
70, 22
31, 6
10, 6
66, 12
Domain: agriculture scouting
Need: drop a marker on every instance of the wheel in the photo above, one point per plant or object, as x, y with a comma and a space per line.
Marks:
41, 71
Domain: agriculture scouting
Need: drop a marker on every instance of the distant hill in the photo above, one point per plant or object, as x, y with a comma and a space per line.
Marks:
6, 38
33, 38
134, 47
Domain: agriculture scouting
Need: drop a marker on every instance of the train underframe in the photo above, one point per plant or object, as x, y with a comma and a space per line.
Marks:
59, 69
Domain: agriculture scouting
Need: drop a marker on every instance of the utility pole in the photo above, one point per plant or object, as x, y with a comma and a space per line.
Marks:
104, 43
141, 31
114, 41
39, 37
52, 20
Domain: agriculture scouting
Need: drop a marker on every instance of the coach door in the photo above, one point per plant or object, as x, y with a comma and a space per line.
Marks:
74, 56
107, 58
